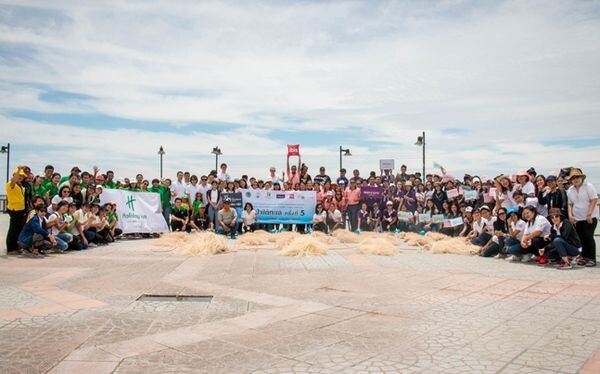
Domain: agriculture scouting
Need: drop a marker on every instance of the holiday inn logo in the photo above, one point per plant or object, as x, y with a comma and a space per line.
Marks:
129, 202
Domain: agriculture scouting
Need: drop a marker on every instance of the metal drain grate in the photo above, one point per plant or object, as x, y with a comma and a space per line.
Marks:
179, 298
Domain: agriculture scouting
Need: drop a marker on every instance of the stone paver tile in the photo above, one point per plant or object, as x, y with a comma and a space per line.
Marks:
555, 361
287, 366
132, 347
592, 365
87, 367
92, 354
314, 320
522, 369
294, 346
45, 309
12, 314
211, 349
178, 337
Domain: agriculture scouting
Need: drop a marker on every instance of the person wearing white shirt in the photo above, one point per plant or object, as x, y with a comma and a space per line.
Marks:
249, 218
192, 189
203, 187
177, 187
222, 175
536, 230
583, 213
319, 219
273, 176
483, 226
334, 218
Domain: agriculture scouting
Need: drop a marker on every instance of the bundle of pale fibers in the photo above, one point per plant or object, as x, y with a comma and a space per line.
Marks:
346, 236
414, 239
284, 238
255, 238
323, 237
460, 246
377, 246
437, 236
172, 239
304, 246
202, 244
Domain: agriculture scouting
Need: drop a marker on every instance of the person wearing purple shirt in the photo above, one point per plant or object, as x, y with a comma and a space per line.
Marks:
362, 217
409, 197
390, 217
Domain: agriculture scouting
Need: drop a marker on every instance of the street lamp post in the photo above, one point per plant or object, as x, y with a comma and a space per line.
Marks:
161, 152
346, 152
421, 142
6, 149
217, 152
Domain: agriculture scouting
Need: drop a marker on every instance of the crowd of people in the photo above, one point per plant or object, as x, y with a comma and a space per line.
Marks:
522, 217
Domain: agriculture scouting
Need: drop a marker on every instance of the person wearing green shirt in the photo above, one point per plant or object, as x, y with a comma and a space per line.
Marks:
113, 220
48, 174
51, 190
165, 196
197, 203
109, 182
74, 171
180, 216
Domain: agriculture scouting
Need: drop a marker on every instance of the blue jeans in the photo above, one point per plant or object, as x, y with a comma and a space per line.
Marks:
352, 211
482, 239
167, 216
536, 244
62, 241
565, 248
232, 229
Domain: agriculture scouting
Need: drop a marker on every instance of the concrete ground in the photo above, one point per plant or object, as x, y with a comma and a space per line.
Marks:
344, 312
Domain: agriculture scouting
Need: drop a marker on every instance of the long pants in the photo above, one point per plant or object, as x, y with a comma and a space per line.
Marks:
585, 231
321, 226
534, 248
167, 216
16, 223
494, 248
231, 232
352, 211
482, 239
565, 248
62, 241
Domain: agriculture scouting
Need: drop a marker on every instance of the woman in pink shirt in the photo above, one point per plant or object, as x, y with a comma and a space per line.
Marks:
352, 196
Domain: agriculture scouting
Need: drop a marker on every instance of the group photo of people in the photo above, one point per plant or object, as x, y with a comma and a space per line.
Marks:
521, 216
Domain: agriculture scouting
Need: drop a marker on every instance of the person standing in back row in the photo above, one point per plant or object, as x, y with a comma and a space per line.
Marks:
583, 214
15, 207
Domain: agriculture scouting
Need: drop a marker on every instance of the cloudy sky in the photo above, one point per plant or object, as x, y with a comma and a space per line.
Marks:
497, 86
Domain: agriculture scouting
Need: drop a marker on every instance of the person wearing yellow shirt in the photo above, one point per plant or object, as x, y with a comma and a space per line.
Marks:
15, 196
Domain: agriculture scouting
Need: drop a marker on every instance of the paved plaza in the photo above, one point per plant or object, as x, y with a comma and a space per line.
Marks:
341, 313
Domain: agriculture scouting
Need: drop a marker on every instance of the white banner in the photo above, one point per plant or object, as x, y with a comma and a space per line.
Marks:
386, 164
139, 212
282, 206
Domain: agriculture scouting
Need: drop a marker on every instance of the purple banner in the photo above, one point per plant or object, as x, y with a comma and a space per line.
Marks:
373, 194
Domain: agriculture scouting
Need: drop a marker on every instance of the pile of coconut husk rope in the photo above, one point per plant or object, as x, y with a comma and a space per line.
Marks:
439, 243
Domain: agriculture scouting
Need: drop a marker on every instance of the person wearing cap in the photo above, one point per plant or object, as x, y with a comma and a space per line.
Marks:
467, 222
342, 180
375, 218
16, 209
390, 217
200, 220
583, 213
227, 219
321, 178
553, 197
564, 238
179, 216
408, 197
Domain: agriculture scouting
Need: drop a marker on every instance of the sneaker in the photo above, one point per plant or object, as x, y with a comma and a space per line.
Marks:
564, 266
542, 261
513, 258
527, 257
590, 263
499, 255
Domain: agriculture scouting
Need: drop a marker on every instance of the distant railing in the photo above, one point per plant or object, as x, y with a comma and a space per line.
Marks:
3, 203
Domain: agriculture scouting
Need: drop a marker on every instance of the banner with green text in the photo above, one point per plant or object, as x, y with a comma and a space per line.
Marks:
139, 212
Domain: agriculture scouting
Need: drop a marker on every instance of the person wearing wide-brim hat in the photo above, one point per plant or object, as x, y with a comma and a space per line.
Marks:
565, 240
583, 213
524, 183
504, 191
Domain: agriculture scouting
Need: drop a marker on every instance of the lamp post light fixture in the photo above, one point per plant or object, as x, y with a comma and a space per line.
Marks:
161, 152
217, 152
421, 143
344, 152
6, 149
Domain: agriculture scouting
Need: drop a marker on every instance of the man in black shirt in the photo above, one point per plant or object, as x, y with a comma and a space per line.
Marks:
321, 178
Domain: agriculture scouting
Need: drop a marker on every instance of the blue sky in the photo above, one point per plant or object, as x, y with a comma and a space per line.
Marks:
496, 85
